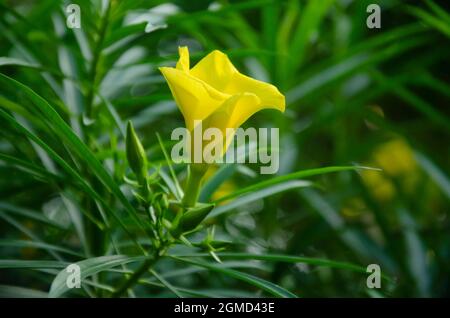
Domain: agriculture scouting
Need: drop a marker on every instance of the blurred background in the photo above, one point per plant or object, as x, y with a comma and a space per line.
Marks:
374, 97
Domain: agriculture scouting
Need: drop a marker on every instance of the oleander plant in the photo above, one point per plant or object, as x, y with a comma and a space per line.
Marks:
94, 204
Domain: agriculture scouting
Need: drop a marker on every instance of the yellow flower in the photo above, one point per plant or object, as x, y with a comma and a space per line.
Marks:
379, 185
396, 158
214, 92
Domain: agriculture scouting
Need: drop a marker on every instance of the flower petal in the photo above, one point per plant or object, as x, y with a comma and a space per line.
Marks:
217, 70
236, 110
269, 95
232, 114
195, 99
183, 61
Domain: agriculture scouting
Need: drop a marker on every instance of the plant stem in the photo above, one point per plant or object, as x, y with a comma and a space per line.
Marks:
92, 232
135, 276
149, 263
192, 190
93, 75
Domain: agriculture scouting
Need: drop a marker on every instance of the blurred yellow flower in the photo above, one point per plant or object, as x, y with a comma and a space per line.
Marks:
379, 185
214, 92
395, 157
397, 161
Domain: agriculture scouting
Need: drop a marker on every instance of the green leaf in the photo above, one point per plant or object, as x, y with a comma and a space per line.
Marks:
291, 176
213, 183
178, 191
179, 290
358, 241
20, 292
28, 232
30, 168
74, 143
438, 10
371, 52
89, 267
114, 115
415, 101
313, 14
439, 24
416, 253
269, 287
28, 213
14, 61
435, 173
166, 283
68, 169
259, 194
40, 245
21, 264
322, 262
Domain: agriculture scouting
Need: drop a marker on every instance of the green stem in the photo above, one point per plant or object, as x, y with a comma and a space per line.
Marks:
136, 275
93, 75
94, 234
145, 267
192, 188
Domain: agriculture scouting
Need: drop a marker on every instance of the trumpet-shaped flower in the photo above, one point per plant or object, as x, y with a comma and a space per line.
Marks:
215, 93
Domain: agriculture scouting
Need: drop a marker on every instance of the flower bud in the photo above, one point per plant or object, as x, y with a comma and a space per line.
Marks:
192, 218
136, 154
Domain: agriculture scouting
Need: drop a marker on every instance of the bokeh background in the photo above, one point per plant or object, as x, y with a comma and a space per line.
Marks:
372, 97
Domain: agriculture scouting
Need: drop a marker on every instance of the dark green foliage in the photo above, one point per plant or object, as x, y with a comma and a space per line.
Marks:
356, 98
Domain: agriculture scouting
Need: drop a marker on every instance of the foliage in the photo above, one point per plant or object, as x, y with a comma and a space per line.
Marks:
356, 98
